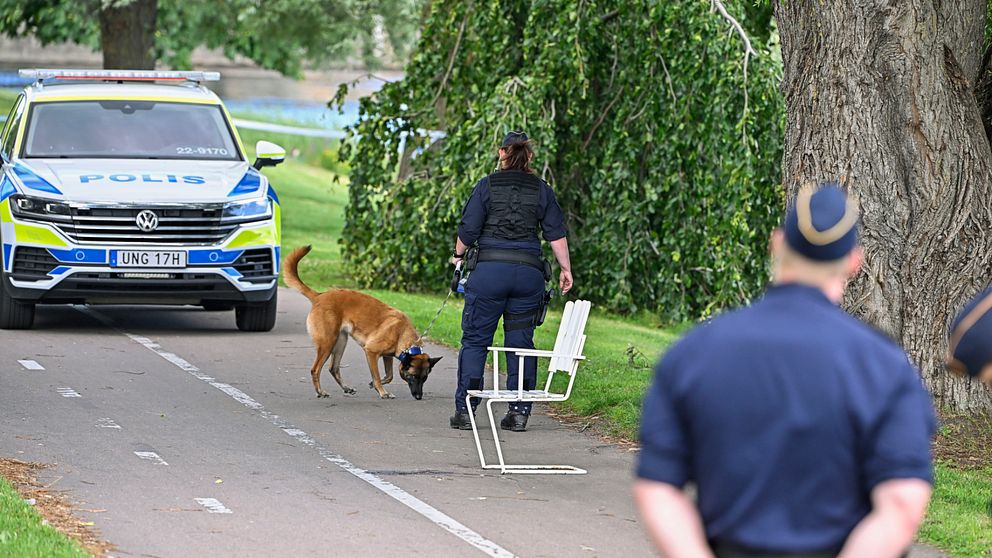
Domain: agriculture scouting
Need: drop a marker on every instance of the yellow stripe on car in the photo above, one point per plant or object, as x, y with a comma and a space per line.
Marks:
31, 234
261, 236
5, 215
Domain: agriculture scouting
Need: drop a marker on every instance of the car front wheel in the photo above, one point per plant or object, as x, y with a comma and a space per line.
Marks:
256, 316
13, 313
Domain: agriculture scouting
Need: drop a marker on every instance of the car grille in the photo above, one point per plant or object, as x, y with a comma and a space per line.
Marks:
180, 226
255, 265
32, 264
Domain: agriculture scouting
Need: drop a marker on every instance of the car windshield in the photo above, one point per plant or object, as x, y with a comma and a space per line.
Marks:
123, 129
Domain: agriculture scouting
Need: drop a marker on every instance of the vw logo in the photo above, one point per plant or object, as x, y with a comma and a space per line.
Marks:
147, 221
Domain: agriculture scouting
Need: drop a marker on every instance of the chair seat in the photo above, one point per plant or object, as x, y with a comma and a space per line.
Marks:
514, 395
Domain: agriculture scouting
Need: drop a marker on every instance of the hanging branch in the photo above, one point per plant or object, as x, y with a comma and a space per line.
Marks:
748, 53
451, 57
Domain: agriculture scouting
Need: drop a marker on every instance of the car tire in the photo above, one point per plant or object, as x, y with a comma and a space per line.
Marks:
13, 313
218, 306
256, 316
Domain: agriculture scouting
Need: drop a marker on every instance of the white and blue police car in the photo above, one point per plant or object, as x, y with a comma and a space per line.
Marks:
133, 187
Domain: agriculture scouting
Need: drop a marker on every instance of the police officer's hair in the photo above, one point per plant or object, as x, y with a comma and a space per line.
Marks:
811, 271
517, 156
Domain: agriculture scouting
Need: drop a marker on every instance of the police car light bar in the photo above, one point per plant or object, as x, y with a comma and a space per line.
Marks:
117, 75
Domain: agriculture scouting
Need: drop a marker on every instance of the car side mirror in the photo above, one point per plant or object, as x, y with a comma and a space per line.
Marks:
268, 154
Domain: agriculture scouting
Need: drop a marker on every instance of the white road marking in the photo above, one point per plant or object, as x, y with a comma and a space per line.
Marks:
213, 505
107, 423
151, 456
67, 392
436, 516
31, 365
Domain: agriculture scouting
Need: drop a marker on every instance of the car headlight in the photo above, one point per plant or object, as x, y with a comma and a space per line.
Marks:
39, 207
257, 209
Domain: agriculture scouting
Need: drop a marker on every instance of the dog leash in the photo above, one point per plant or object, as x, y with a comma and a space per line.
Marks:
434, 319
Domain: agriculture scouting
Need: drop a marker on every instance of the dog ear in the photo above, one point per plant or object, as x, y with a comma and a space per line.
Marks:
433, 361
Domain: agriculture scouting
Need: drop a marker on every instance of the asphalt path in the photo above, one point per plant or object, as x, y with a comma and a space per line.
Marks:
181, 436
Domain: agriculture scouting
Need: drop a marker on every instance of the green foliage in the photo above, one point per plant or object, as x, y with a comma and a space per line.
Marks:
277, 34
637, 109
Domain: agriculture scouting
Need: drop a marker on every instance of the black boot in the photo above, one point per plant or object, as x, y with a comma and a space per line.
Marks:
461, 421
514, 421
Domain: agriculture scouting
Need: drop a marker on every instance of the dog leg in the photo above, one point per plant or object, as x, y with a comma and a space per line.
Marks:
339, 346
322, 354
376, 381
387, 364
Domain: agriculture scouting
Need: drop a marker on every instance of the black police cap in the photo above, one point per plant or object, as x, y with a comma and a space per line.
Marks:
822, 224
514, 137
970, 347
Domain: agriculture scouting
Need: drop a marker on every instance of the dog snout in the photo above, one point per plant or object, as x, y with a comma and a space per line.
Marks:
416, 389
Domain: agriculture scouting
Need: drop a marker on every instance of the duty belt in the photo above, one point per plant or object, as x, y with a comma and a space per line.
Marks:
512, 256
724, 550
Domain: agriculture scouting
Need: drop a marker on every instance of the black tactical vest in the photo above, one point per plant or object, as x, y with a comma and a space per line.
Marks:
513, 204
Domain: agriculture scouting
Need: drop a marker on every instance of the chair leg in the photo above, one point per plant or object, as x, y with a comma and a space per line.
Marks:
475, 432
492, 423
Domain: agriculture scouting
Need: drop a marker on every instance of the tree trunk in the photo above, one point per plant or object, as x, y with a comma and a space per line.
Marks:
880, 96
127, 34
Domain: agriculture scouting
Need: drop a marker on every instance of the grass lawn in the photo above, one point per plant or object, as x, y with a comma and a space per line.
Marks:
959, 519
22, 533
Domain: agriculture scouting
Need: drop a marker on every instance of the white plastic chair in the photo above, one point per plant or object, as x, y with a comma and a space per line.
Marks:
565, 357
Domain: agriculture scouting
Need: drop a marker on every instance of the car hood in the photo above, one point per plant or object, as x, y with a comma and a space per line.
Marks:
138, 180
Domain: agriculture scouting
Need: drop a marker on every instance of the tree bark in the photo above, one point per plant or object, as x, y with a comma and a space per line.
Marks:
880, 96
127, 34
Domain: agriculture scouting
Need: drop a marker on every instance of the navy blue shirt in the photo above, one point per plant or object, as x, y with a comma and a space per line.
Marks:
785, 414
477, 209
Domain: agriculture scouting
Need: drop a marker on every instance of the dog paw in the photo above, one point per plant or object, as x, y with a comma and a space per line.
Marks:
386, 395
348, 390
322, 395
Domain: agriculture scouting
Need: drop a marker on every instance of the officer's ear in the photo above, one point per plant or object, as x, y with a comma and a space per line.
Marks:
855, 260
775, 242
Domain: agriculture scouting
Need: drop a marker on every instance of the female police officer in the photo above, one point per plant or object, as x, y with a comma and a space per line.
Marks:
502, 216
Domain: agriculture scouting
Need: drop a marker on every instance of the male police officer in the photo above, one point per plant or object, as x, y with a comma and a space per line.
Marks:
969, 350
503, 215
806, 433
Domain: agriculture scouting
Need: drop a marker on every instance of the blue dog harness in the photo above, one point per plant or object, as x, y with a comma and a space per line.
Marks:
408, 354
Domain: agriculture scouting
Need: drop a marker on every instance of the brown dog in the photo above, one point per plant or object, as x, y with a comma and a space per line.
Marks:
383, 332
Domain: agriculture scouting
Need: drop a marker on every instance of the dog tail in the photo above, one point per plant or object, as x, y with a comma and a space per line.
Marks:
292, 276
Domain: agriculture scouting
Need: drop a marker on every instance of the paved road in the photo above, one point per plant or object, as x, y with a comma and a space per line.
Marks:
199, 440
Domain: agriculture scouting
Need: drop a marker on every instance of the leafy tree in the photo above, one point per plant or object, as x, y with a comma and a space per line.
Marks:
890, 98
277, 34
666, 162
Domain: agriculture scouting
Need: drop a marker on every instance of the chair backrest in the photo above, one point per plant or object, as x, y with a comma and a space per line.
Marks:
571, 338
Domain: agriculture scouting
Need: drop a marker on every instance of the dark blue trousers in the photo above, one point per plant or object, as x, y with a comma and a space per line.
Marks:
495, 290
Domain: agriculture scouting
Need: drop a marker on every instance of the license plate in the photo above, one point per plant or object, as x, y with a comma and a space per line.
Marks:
148, 258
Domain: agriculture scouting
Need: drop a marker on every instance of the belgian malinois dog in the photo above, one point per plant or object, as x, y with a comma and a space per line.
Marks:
382, 331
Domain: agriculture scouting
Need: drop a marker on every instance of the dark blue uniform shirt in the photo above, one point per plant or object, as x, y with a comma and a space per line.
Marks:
785, 414
476, 209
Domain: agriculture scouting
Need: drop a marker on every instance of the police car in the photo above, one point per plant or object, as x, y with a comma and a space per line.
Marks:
133, 187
